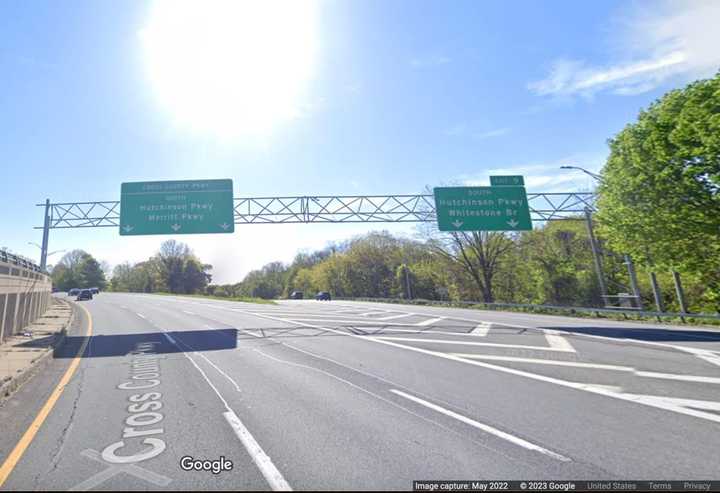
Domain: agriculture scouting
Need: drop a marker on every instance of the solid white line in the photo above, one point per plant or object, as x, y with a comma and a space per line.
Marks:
594, 389
415, 331
375, 312
708, 405
466, 343
246, 331
429, 321
646, 374
267, 468
684, 378
189, 313
486, 428
260, 458
393, 317
544, 362
481, 330
141, 315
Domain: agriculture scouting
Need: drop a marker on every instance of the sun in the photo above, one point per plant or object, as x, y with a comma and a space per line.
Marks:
231, 67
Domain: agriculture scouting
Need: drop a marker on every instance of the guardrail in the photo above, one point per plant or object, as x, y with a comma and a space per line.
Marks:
578, 309
11, 258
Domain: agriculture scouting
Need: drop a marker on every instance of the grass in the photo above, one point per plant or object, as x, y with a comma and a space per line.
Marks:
244, 299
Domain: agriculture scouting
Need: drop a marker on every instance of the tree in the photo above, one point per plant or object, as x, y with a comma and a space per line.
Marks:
659, 199
78, 269
90, 273
171, 259
195, 277
479, 253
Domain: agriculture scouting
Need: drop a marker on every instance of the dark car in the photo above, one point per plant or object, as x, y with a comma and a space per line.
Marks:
74, 292
95, 290
296, 295
323, 296
85, 294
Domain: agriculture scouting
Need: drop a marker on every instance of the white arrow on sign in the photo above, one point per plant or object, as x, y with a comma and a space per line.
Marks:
513, 223
128, 228
224, 226
457, 224
175, 227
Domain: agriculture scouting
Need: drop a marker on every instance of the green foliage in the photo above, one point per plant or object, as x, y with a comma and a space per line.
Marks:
78, 269
660, 194
175, 269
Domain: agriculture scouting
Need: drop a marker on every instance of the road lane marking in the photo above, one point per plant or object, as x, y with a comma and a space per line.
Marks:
271, 473
646, 374
141, 316
373, 394
429, 321
481, 426
27, 438
697, 404
554, 339
262, 460
481, 329
469, 343
538, 361
684, 378
393, 317
594, 389
249, 332
188, 312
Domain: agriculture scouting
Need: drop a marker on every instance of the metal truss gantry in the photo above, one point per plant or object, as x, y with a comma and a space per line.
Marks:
321, 209
312, 209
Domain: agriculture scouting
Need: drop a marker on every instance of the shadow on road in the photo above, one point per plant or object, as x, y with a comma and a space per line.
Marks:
101, 346
649, 334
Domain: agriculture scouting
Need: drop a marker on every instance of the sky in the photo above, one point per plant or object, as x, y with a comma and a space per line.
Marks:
314, 97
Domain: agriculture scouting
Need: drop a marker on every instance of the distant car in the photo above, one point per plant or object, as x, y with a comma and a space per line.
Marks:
85, 294
296, 295
74, 292
323, 296
95, 290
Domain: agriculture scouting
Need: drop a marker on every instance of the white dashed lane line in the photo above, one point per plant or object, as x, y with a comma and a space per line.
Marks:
483, 427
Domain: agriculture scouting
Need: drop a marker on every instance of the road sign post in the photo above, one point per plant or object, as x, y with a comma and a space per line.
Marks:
496, 208
176, 207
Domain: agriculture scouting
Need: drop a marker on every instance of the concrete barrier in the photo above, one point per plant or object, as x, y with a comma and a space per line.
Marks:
25, 294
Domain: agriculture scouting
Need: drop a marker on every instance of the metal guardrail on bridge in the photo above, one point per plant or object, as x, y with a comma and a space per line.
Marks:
11, 258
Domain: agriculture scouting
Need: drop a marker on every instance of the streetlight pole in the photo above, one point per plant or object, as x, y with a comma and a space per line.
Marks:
45, 237
590, 173
43, 251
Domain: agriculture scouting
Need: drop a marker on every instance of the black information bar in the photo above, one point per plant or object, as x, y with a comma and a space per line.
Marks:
566, 485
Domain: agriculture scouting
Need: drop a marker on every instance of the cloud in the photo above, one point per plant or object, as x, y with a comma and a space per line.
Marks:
546, 176
462, 130
677, 41
430, 61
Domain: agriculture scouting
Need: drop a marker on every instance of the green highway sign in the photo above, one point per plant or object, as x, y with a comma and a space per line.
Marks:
511, 180
176, 207
503, 208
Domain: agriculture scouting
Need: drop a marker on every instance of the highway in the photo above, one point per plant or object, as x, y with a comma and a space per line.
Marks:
345, 395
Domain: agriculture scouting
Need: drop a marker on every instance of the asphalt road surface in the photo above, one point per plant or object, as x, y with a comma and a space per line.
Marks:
341, 395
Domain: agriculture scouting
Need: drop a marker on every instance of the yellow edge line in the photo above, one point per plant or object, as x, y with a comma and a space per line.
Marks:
34, 427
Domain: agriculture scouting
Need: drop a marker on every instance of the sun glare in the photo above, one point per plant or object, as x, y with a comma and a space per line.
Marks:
231, 67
